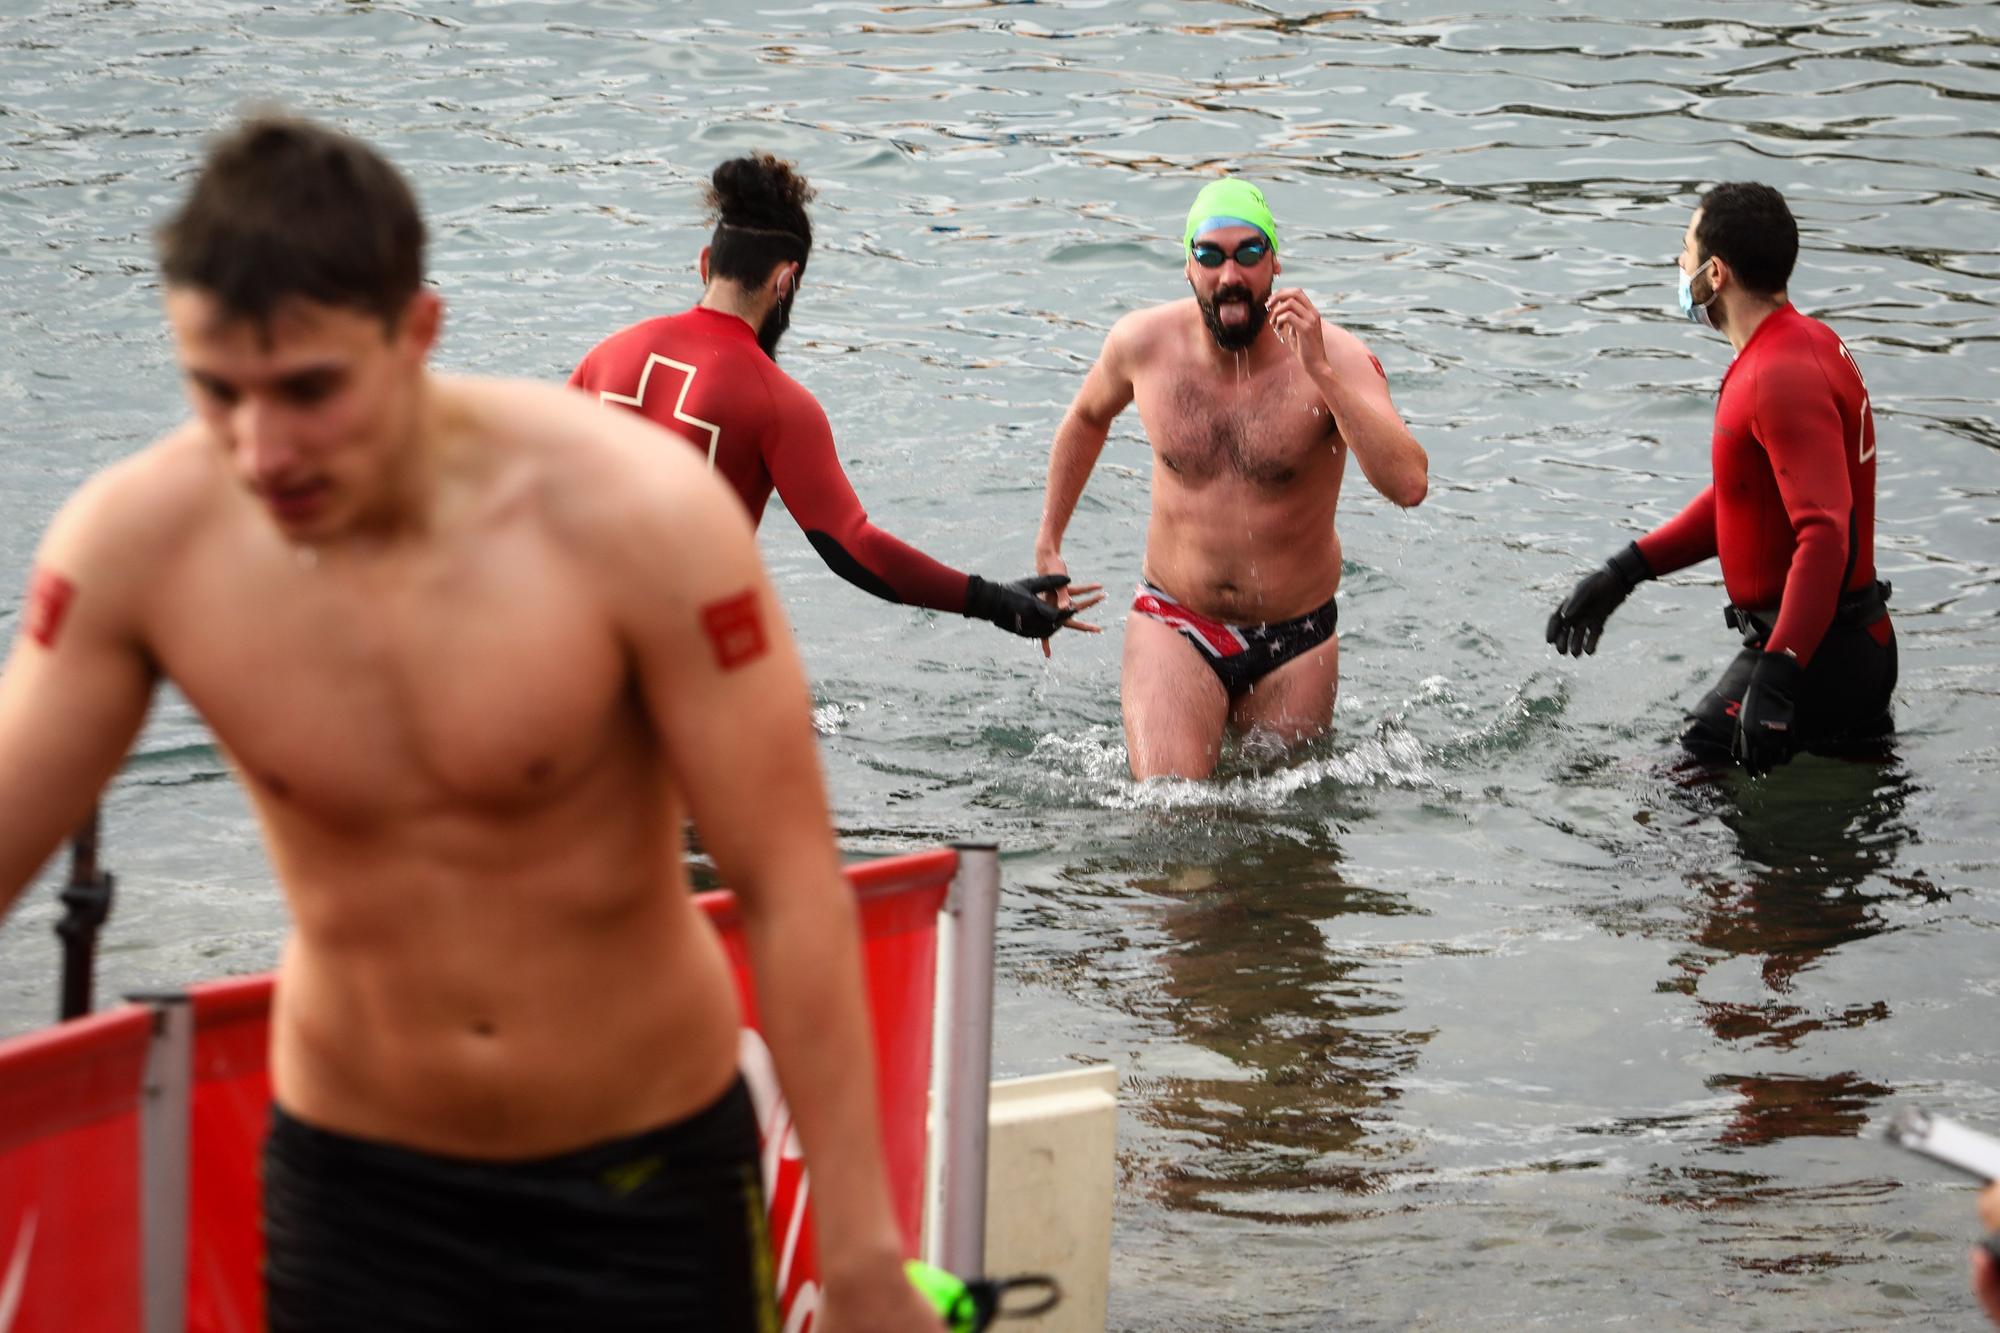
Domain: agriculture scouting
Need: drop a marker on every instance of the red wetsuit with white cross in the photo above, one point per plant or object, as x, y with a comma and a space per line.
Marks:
702, 375
1791, 509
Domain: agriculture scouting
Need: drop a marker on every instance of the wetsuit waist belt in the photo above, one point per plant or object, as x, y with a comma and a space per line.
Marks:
1863, 606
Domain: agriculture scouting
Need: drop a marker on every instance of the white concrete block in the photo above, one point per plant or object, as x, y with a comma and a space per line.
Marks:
1049, 1171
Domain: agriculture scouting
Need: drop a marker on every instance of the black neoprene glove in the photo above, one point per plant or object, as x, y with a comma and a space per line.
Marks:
1578, 623
1764, 718
1015, 607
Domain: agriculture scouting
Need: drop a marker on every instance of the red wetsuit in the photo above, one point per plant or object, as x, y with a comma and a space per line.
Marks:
703, 376
1791, 510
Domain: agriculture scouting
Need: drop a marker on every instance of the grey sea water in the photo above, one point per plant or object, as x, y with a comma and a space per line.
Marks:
1474, 1014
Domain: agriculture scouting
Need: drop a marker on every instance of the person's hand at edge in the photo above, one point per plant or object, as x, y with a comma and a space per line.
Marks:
875, 1298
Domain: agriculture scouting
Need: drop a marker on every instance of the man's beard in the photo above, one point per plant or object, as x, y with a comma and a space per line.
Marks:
1238, 337
774, 326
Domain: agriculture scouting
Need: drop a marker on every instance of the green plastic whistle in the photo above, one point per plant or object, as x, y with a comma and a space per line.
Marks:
949, 1296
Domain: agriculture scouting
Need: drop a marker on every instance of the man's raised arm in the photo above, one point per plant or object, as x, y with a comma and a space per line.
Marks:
1356, 392
75, 689
724, 686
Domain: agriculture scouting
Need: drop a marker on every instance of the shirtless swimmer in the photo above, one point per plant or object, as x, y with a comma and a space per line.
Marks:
1252, 406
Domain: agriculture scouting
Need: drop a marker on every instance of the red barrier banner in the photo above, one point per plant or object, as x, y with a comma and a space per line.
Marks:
231, 1111
900, 899
69, 1175
69, 1136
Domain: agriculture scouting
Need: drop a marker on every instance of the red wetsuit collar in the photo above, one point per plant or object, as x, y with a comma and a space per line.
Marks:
1784, 314
724, 325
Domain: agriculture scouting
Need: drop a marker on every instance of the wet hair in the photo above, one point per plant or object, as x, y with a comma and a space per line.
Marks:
1748, 225
759, 206
286, 209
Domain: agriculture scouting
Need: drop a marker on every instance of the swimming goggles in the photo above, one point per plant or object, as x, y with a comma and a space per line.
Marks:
1247, 255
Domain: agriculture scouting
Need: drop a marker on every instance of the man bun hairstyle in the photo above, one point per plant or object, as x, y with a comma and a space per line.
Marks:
287, 209
1748, 225
759, 206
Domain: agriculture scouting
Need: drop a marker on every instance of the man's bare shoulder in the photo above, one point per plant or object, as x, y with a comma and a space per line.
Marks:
599, 475
120, 531
1149, 326
133, 512
1142, 340
1348, 356
571, 434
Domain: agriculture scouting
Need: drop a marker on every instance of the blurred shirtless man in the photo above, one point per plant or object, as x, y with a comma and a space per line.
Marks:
1252, 406
474, 648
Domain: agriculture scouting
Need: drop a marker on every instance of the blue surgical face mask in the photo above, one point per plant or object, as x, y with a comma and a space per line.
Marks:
1689, 310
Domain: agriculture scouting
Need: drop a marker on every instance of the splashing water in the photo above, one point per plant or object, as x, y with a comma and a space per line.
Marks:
1091, 768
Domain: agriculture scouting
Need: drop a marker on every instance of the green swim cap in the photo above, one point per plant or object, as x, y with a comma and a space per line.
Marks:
1230, 203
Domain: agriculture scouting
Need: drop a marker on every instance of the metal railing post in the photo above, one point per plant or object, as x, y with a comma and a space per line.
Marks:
86, 900
962, 1063
165, 1111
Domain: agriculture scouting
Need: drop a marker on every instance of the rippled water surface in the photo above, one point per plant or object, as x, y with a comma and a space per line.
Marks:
1476, 1013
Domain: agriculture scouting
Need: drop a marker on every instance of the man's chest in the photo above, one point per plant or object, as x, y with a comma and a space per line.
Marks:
1270, 430
363, 699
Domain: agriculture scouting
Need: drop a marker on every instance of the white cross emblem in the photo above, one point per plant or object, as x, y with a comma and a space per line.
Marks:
638, 399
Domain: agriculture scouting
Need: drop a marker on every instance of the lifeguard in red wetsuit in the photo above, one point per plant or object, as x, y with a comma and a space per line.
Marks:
1790, 511
708, 376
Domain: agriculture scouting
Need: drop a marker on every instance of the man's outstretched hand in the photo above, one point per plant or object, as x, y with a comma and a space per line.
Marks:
1034, 607
1577, 625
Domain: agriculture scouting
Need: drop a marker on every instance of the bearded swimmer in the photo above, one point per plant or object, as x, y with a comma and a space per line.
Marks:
1252, 406
473, 648
1789, 513
710, 376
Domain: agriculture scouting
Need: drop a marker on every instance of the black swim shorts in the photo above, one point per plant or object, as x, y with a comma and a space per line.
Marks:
663, 1230
1240, 655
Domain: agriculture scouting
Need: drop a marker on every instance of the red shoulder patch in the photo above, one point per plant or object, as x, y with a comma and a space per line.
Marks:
49, 596
735, 629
